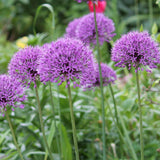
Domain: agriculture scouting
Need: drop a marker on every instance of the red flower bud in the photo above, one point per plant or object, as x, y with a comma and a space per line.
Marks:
100, 6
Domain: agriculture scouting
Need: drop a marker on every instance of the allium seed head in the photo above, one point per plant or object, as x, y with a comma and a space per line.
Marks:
67, 59
86, 31
136, 49
11, 93
23, 65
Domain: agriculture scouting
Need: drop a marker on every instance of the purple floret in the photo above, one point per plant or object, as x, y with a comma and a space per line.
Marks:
67, 59
108, 75
11, 93
136, 49
23, 65
86, 31
71, 28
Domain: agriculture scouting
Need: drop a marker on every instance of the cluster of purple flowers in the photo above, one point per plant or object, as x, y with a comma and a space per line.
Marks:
84, 29
11, 93
65, 59
69, 59
136, 49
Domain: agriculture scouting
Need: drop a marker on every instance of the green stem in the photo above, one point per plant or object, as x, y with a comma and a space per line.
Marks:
116, 115
59, 112
13, 135
140, 115
136, 12
150, 11
114, 102
101, 87
73, 121
42, 126
53, 110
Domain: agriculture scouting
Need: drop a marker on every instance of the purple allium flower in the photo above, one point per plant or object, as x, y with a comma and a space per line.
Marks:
23, 65
136, 49
71, 28
67, 59
11, 93
86, 29
108, 75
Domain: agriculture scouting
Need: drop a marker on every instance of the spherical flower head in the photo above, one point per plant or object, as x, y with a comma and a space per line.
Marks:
86, 30
67, 59
136, 49
23, 65
71, 28
108, 75
11, 93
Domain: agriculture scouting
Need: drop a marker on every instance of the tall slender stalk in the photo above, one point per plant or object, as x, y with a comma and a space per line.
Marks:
137, 12
42, 126
59, 113
116, 115
53, 110
73, 121
13, 135
150, 11
140, 115
101, 87
114, 102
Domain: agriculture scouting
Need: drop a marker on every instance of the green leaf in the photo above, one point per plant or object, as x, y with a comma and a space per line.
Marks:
156, 82
50, 8
141, 28
134, 156
65, 143
3, 136
154, 28
8, 155
55, 156
158, 38
50, 137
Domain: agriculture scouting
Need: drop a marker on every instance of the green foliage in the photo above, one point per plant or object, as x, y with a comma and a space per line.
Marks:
17, 17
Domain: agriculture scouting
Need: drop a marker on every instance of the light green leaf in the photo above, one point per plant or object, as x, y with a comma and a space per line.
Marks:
158, 38
154, 28
65, 143
141, 28
3, 136
50, 137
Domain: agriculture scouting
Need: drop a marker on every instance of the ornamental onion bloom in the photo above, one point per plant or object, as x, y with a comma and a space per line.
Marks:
108, 75
86, 31
71, 28
23, 65
11, 93
67, 59
136, 49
